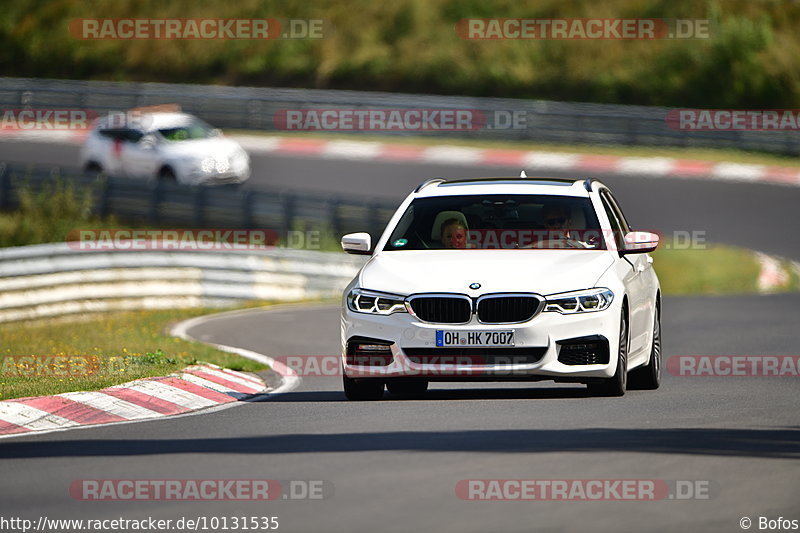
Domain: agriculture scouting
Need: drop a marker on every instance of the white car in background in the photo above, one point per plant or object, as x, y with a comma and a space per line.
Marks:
168, 146
500, 279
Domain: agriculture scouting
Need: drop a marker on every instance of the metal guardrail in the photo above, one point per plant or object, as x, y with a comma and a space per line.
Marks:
256, 108
160, 203
54, 279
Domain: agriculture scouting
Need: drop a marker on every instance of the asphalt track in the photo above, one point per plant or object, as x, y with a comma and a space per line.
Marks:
394, 465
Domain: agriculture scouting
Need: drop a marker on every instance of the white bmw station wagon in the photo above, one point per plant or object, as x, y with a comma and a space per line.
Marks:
503, 279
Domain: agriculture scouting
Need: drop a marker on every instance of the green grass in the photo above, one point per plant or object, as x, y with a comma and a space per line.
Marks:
50, 213
712, 271
118, 347
727, 155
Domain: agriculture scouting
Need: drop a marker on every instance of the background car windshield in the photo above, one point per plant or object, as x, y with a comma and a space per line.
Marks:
197, 129
497, 222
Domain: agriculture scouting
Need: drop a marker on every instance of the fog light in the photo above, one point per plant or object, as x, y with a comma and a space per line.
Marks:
369, 352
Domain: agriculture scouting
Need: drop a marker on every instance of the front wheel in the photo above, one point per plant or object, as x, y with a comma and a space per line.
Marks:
167, 175
93, 170
362, 389
615, 385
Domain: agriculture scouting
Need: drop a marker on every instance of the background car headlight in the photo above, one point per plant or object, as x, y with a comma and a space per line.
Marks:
207, 165
585, 301
362, 301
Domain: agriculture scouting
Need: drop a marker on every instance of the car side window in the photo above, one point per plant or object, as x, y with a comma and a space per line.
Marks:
133, 135
616, 229
111, 133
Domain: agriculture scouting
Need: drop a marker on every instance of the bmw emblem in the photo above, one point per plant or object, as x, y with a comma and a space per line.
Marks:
475, 286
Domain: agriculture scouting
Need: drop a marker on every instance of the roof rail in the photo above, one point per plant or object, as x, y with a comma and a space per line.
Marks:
428, 182
588, 184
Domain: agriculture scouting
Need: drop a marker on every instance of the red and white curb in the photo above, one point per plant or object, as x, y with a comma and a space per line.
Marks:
531, 161
774, 272
193, 388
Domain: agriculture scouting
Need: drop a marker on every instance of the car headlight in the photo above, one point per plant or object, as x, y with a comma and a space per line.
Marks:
207, 165
585, 301
376, 303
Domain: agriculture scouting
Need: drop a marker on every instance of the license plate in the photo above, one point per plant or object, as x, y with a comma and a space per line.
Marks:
474, 338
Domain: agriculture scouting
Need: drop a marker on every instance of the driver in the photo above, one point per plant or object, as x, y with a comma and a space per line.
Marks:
557, 223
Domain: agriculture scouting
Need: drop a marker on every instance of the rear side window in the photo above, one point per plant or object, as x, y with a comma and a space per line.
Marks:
121, 134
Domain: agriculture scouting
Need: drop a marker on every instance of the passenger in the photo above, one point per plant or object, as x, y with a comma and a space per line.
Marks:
454, 234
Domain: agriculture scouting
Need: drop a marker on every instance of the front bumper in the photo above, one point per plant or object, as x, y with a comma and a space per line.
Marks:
535, 355
220, 178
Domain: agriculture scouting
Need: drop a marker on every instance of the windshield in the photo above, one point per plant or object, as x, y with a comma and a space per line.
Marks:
196, 129
497, 222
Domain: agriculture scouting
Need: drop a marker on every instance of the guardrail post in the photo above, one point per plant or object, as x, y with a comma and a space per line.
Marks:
5, 186
630, 130
106, 196
155, 199
792, 145
198, 206
253, 117
288, 213
375, 220
333, 216
247, 209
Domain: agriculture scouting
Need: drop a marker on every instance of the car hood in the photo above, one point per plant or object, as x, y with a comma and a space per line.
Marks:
539, 271
218, 147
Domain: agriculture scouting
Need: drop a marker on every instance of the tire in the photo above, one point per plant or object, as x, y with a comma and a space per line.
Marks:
407, 386
362, 389
649, 376
615, 385
93, 169
167, 175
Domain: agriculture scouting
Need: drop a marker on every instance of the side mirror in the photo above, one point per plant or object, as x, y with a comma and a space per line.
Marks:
148, 141
640, 242
357, 243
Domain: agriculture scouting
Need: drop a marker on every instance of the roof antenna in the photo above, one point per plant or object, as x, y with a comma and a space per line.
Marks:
523, 175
